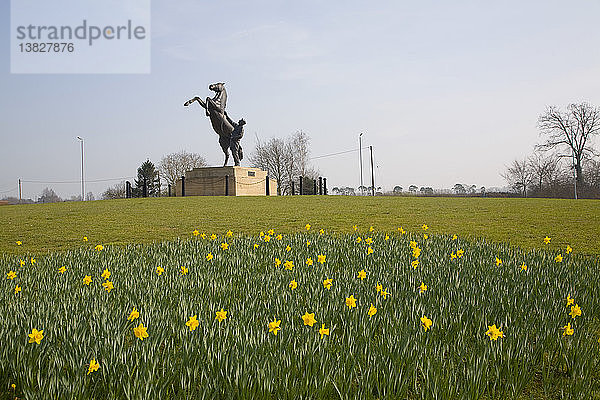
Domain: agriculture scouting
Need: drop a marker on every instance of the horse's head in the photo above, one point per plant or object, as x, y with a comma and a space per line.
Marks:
217, 87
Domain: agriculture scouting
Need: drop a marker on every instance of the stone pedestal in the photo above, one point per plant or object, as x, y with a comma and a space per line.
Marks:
226, 181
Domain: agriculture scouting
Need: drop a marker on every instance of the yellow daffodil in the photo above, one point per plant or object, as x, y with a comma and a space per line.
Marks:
387, 237
279, 237
288, 248
309, 319
307, 243
184, 270
454, 237
378, 287
307, 226
362, 274
321, 231
203, 235
327, 283
416, 252
569, 249
498, 262
267, 238
195, 232
229, 234
401, 231
32, 260
369, 250
11, 275
453, 255
354, 228
192, 323
460, 253
422, 288
372, 310
309, 261
371, 229
213, 237
209, 257
108, 286
85, 238
221, 315
523, 267
321, 258
358, 239
369, 240
255, 246
19, 242
293, 284
424, 227
105, 274
22, 263
289, 265
385, 293
425, 236
575, 311
547, 240
17, 289
224, 246
415, 264
426, 323
558, 258
261, 234
351, 301
93, 367
277, 262
133, 314
140, 331
62, 269
99, 247
494, 333
160, 270
570, 301
323, 331
36, 336
87, 280
567, 330
274, 326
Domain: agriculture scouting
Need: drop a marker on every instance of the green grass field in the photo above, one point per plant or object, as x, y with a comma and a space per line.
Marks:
521, 222
388, 354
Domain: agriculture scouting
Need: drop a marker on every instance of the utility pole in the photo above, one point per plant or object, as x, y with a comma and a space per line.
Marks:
361, 163
20, 193
575, 174
82, 185
372, 173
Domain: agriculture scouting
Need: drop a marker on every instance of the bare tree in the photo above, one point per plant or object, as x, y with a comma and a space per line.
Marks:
48, 196
174, 165
544, 169
285, 160
115, 192
519, 176
571, 131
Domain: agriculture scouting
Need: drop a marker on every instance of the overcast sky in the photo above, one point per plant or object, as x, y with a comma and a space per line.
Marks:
445, 92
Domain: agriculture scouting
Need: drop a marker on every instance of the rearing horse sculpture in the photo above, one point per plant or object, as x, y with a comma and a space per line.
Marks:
215, 110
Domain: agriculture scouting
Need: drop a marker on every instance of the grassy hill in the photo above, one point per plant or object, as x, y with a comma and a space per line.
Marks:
522, 222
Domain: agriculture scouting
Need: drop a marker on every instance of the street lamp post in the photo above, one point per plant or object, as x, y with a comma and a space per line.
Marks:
361, 162
82, 187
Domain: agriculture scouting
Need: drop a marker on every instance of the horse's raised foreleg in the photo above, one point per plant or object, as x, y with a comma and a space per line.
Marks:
198, 99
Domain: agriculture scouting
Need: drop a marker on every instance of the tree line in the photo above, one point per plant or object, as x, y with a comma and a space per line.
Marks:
565, 164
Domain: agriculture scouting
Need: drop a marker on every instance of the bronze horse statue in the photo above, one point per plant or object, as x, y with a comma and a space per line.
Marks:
220, 121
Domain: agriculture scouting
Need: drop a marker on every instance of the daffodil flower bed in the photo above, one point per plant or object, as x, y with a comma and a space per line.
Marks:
391, 315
